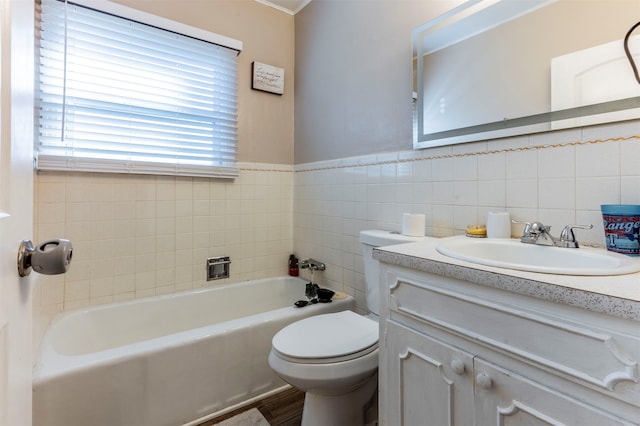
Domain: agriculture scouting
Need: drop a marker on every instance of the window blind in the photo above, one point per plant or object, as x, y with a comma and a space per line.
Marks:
117, 95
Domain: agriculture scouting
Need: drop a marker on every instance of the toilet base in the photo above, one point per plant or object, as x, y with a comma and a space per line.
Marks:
349, 409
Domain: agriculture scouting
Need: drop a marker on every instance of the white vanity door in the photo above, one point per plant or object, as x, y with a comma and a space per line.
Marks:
431, 383
504, 398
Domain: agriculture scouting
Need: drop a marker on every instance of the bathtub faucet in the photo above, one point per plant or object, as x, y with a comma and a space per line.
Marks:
312, 265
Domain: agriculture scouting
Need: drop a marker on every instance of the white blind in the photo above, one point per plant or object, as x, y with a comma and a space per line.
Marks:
122, 96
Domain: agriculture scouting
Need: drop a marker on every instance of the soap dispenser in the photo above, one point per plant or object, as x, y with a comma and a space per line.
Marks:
293, 266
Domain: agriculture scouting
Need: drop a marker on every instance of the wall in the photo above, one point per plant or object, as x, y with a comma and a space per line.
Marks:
558, 178
265, 121
137, 236
353, 93
355, 169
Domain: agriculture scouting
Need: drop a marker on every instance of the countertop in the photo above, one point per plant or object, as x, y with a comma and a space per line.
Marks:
617, 295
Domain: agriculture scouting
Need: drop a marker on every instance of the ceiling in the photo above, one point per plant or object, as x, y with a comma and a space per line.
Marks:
288, 6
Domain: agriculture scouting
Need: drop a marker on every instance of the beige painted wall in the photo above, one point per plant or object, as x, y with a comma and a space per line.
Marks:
354, 75
265, 120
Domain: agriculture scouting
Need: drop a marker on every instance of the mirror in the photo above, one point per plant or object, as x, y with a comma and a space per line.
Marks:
495, 68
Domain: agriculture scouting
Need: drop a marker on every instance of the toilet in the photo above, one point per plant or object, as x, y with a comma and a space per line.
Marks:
333, 358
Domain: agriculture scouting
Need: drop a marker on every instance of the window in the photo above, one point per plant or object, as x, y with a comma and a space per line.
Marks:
126, 96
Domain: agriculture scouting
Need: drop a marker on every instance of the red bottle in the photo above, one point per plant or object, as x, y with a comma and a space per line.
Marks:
293, 266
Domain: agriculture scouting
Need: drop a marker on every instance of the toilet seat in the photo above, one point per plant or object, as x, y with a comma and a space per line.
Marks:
327, 338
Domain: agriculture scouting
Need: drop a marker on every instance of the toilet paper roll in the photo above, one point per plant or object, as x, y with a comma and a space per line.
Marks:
413, 224
498, 225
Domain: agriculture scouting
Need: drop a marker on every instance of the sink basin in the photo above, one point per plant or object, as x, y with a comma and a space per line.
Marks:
512, 254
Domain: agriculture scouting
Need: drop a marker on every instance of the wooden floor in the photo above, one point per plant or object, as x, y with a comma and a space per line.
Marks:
281, 409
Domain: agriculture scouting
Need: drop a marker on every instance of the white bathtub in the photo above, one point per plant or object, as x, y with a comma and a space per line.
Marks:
166, 360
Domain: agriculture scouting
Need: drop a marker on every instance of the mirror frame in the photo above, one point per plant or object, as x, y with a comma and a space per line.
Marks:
471, 18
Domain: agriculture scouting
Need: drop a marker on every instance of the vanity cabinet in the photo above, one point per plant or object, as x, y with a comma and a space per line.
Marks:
429, 382
457, 353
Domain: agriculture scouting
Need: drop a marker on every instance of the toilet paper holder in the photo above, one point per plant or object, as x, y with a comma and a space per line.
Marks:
52, 257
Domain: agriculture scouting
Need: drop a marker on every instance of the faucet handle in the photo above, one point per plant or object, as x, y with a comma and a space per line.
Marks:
529, 235
538, 227
527, 225
532, 228
312, 265
567, 234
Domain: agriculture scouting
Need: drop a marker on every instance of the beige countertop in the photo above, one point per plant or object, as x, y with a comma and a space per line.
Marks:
617, 295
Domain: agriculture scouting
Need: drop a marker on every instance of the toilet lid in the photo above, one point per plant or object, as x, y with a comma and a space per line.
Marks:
326, 336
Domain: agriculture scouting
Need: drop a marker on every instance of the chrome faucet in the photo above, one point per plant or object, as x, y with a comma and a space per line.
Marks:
312, 265
533, 231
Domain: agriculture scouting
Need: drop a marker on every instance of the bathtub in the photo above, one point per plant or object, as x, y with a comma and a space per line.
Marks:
166, 360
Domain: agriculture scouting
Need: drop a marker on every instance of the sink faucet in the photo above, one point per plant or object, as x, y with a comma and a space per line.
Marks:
533, 231
312, 265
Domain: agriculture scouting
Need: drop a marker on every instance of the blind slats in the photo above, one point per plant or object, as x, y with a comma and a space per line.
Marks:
122, 96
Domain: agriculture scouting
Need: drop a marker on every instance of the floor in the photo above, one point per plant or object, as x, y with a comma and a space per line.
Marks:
282, 409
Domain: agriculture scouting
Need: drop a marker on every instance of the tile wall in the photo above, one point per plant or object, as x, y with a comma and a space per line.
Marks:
558, 178
137, 236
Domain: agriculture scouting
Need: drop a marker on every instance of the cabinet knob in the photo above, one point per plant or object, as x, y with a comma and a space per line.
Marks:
457, 366
483, 380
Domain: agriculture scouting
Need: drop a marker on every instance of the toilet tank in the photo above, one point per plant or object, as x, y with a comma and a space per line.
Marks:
376, 238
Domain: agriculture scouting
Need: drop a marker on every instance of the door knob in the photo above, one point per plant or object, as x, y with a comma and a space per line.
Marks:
49, 258
483, 380
457, 366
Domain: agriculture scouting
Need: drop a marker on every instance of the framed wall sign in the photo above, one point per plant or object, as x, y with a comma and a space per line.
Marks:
267, 78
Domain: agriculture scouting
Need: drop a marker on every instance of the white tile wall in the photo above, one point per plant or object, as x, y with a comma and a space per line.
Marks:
558, 178
137, 236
